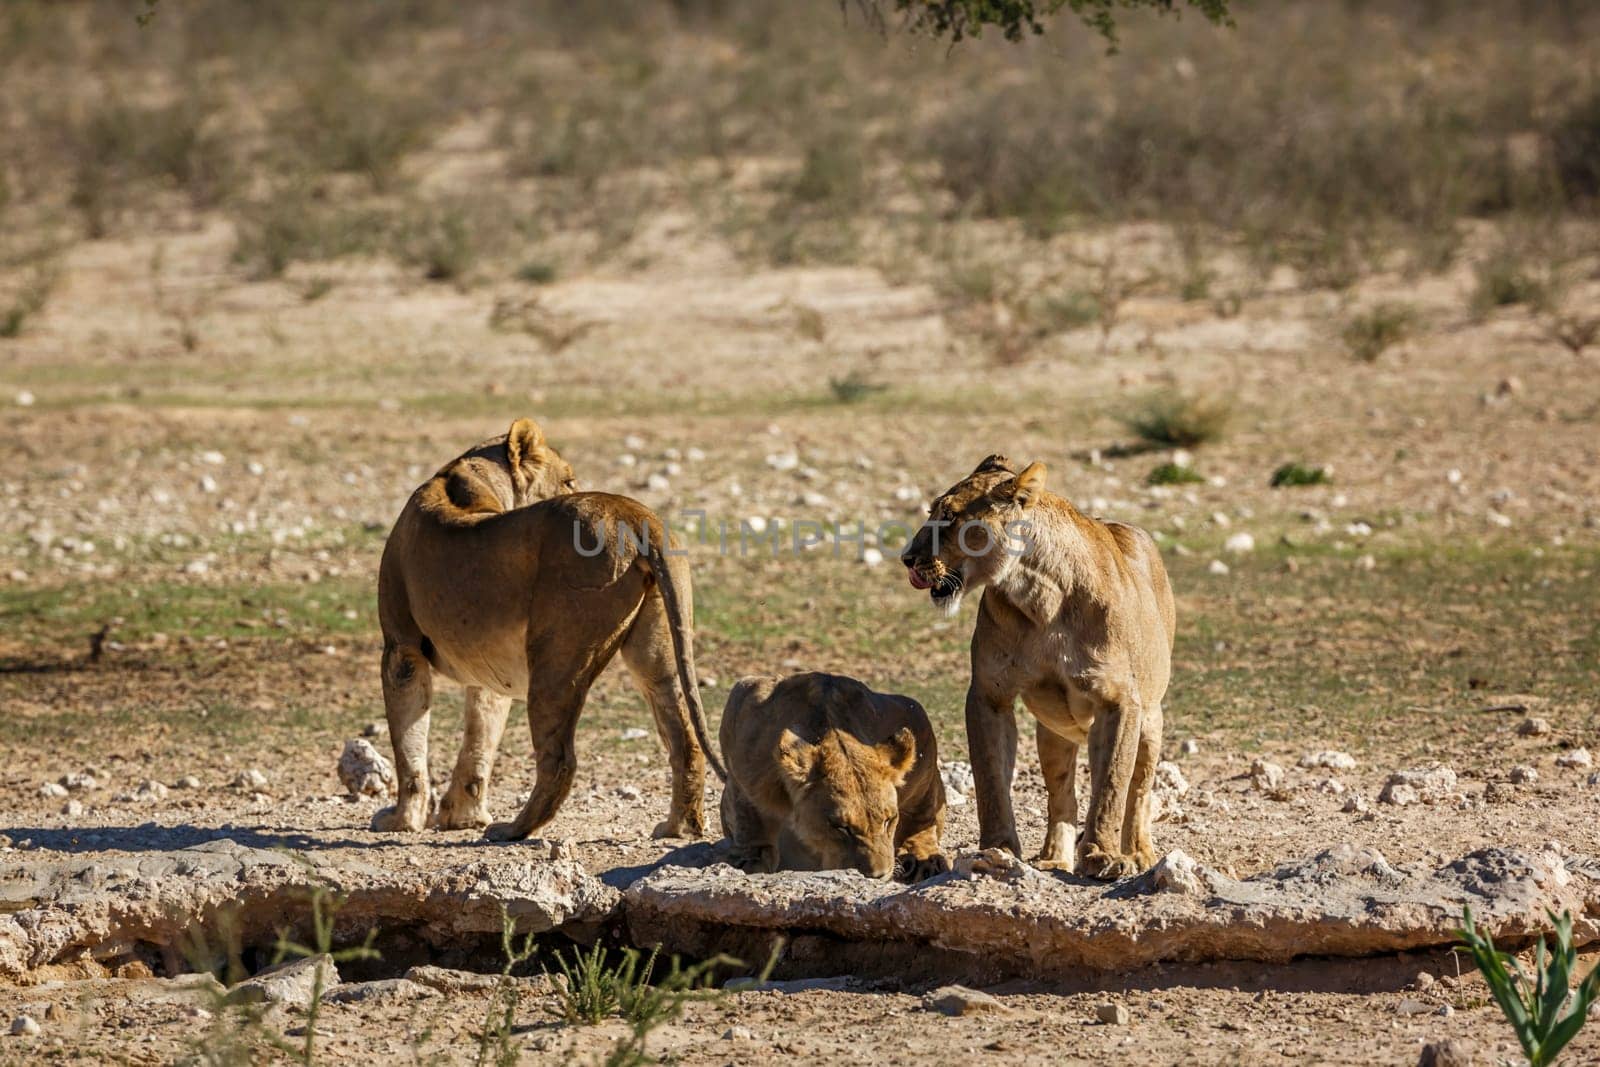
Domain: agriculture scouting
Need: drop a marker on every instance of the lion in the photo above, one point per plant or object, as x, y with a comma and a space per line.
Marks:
1076, 621
500, 575
825, 774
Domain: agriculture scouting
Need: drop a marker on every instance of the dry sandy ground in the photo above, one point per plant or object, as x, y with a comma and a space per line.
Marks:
221, 510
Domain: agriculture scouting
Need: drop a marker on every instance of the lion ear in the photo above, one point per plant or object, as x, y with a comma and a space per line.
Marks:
796, 758
523, 441
993, 462
900, 753
1025, 488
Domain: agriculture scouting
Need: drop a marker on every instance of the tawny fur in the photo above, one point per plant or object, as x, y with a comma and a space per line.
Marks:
825, 774
482, 581
1076, 622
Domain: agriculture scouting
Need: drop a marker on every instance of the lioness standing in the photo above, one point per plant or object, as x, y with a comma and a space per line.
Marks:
511, 594
1077, 621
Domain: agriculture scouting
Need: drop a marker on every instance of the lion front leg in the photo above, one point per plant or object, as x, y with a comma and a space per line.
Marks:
1113, 754
992, 745
407, 693
753, 845
466, 802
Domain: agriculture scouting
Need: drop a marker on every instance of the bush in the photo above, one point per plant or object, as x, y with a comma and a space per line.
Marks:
853, 387
442, 241
1373, 332
1507, 278
1575, 149
1176, 420
293, 225
343, 122
1294, 474
116, 144
1173, 474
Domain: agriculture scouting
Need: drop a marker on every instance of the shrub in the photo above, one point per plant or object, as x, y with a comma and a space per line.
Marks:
442, 241
29, 299
1506, 277
1173, 474
293, 225
853, 387
1293, 474
1575, 149
343, 122
1176, 420
537, 272
833, 173
1371, 333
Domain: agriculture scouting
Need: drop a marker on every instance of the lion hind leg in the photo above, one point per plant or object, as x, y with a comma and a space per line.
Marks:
1136, 840
1058, 760
407, 695
648, 654
466, 801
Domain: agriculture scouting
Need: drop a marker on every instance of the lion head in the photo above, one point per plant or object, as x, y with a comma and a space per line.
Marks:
844, 800
510, 471
974, 532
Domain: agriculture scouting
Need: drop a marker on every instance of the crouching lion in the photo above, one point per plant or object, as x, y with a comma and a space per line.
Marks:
1076, 620
499, 575
825, 774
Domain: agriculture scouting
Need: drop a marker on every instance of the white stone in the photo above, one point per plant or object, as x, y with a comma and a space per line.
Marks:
783, 461
1577, 759
657, 482
251, 779
1266, 776
1332, 759
1188, 747
634, 733
52, 790
1216, 566
1522, 774
25, 399
871, 557
1112, 1014
1428, 784
364, 771
1533, 727
213, 458
957, 777
1240, 544
26, 1026
1219, 518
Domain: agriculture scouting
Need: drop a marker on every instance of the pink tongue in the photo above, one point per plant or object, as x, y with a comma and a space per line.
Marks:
917, 580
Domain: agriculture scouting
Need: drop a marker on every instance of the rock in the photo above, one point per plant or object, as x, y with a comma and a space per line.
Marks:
1331, 759
959, 1000
1331, 786
372, 729
1188, 747
1167, 788
291, 984
1112, 1013
783, 461
1451, 1052
738, 1033
1499, 793
957, 778
629, 792
72, 808
634, 733
1429, 785
1356, 804
52, 790
80, 782
26, 1026
1413, 1006
449, 980
1007, 920
1533, 726
1522, 774
1217, 567
391, 990
1594, 779
1267, 777
363, 770
1240, 544
53, 910
1423, 980
24, 398
250, 780
872, 557
1577, 759
1176, 872
188, 781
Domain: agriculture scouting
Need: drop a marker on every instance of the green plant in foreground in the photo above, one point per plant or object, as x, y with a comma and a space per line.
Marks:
1173, 474
1534, 1005
324, 906
494, 1040
1292, 474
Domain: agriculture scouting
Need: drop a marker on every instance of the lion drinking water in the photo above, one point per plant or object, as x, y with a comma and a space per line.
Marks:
825, 774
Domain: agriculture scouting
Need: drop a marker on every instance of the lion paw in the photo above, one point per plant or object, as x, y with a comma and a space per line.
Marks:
751, 860
396, 820
460, 815
916, 870
679, 828
1094, 863
1053, 863
502, 831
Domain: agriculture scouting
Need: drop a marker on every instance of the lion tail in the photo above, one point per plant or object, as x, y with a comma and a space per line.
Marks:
672, 574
